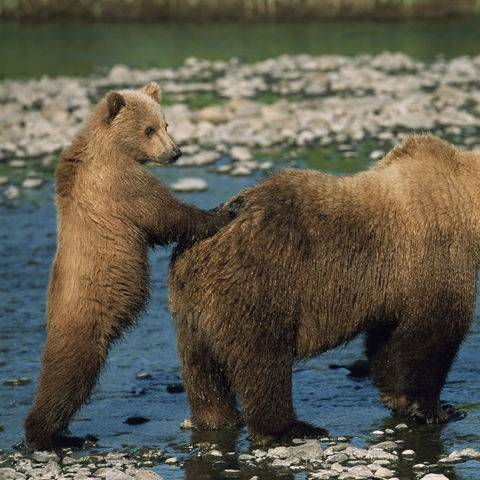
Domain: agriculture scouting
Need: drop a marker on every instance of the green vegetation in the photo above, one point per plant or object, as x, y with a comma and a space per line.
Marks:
135, 10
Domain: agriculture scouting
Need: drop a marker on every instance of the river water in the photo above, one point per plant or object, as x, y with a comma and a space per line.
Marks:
31, 50
326, 397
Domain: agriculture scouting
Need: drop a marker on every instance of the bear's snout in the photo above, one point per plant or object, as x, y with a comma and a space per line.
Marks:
176, 154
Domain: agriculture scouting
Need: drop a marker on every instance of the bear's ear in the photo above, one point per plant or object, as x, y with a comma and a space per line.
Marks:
153, 90
115, 102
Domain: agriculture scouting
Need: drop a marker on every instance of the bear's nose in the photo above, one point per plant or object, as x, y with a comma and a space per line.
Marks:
176, 153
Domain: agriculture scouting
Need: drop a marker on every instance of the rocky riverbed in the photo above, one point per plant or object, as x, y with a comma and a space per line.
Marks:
232, 110
323, 459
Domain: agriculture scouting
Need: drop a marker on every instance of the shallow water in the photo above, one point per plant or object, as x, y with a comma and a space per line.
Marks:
33, 50
323, 396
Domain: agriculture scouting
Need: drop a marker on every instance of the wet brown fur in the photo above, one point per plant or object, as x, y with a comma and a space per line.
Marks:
315, 259
110, 210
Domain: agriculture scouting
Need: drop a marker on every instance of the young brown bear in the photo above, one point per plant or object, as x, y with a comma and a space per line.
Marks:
110, 209
311, 261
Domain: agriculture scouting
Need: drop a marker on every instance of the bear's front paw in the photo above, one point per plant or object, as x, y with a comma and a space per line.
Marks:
232, 208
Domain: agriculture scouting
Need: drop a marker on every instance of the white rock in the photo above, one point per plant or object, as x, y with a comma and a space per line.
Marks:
408, 453
171, 461
11, 193
198, 159
3, 181
224, 169
240, 171
434, 476
190, 185
18, 163
278, 452
231, 473
383, 472
240, 154
360, 471
377, 155
186, 424
32, 183
470, 453
120, 74
147, 475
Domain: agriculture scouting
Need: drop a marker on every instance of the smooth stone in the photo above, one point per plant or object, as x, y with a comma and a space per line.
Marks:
190, 185
32, 183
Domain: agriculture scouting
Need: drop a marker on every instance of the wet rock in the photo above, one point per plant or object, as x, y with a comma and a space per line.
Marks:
147, 475
44, 457
240, 154
190, 185
383, 472
231, 473
213, 114
175, 388
17, 381
136, 420
202, 158
434, 476
18, 163
240, 171
32, 183
120, 75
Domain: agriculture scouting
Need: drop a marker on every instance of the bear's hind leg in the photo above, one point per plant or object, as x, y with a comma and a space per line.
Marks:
409, 365
72, 359
212, 402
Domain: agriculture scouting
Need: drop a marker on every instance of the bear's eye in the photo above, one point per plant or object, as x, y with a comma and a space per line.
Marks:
149, 131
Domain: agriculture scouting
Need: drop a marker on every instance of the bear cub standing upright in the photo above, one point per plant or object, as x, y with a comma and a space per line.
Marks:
314, 259
110, 209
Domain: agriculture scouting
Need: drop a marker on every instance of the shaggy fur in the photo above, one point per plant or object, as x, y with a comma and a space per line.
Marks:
110, 209
313, 260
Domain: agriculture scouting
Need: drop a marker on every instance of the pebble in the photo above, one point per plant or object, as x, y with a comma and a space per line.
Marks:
240, 154
32, 183
190, 185
18, 163
199, 159
11, 193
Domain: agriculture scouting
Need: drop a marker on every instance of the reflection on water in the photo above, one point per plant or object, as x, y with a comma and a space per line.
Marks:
55, 49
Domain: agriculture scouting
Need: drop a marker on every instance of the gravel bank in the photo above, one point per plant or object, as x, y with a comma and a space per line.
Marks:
316, 459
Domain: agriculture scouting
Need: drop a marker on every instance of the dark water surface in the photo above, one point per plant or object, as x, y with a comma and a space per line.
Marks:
326, 397
78, 49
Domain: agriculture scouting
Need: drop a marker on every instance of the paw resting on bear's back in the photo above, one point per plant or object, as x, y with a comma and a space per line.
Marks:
232, 207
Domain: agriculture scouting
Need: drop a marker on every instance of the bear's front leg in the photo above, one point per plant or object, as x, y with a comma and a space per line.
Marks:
72, 359
264, 385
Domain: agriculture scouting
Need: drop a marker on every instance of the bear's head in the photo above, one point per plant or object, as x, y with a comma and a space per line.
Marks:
137, 126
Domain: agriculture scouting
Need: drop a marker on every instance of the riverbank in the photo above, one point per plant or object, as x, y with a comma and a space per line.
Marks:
201, 10
223, 114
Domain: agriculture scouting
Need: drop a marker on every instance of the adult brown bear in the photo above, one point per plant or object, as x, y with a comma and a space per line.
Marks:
110, 210
313, 260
